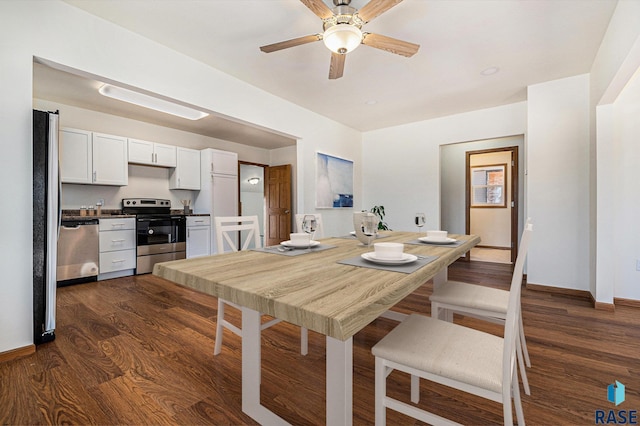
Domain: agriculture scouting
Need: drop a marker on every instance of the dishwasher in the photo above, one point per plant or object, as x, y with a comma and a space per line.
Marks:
78, 251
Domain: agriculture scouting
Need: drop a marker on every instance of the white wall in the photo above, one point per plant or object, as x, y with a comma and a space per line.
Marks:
558, 182
625, 227
616, 61
63, 34
402, 163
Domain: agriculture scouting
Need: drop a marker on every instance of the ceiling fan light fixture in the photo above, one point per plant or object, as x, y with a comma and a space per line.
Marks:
150, 102
342, 38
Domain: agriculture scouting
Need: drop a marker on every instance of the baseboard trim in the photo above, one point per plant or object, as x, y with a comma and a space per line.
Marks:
626, 302
17, 353
601, 306
559, 290
583, 294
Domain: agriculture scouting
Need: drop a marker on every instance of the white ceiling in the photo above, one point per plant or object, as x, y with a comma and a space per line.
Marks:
530, 41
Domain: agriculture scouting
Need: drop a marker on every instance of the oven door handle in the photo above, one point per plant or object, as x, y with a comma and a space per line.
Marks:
154, 220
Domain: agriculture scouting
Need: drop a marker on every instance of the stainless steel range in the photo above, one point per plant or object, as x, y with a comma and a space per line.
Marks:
160, 235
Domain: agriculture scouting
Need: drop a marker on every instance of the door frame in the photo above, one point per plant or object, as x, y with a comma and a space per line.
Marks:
514, 195
264, 169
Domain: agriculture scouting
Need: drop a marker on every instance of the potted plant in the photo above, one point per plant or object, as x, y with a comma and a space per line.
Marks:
379, 211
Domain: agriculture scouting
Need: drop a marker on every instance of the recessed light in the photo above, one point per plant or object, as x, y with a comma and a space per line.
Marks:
371, 102
490, 71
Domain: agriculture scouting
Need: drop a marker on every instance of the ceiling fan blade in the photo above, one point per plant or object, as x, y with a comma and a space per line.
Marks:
375, 8
336, 68
390, 44
290, 43
319, 8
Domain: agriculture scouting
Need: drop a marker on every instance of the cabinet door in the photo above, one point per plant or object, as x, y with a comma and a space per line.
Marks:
140, 152
198, 241
224, 163
109, 160
75, 156
186, 175
165, 155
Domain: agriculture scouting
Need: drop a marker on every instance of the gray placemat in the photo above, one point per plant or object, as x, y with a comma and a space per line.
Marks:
353, 237
422, 243
293, 252
407, 268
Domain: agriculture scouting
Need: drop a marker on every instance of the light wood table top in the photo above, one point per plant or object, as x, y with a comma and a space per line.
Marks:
313, 290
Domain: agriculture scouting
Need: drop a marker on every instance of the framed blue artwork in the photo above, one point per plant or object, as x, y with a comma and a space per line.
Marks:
334, 182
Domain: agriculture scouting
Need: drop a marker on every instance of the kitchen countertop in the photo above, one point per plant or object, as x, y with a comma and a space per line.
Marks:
113, 214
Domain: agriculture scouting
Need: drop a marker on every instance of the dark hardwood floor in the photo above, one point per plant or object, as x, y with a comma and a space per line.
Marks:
139, 350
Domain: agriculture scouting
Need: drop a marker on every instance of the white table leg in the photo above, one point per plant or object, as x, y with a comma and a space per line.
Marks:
339, 381
440, 278
251, 371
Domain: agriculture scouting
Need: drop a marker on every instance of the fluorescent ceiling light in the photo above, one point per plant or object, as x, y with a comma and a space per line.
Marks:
151, 102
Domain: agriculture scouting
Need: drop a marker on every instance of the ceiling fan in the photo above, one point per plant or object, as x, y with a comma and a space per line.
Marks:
342, 28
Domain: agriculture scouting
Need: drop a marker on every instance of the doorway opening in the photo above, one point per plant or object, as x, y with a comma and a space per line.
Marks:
492, 203
251, 198
265, 191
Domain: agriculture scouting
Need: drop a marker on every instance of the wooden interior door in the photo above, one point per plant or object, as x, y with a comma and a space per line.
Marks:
512, 188
278, 204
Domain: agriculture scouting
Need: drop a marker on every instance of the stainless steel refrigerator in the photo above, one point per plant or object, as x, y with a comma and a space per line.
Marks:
46, 223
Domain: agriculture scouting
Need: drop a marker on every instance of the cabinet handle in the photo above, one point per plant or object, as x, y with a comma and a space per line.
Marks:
118, 241
113, 225
152, 159
118, 260
95, 175
188, 233
212, 167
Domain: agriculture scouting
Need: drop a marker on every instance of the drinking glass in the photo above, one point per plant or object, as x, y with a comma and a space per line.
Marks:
420, 220
309, 225
369, 227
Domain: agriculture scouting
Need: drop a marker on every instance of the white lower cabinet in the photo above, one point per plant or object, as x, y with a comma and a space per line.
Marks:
198, 236
117, 247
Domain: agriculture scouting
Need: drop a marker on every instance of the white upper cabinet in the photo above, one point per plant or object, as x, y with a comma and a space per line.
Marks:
220, 162
93, 158
186, 175
151, 153
76, 156
109, 160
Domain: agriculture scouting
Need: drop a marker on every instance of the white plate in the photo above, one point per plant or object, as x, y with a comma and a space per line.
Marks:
406, 258
432, 240
289, 243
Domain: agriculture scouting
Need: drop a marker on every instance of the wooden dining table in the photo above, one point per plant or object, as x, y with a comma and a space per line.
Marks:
315, 291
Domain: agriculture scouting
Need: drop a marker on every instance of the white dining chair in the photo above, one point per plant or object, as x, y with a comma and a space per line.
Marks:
319, 228
453, 355
229, 229
486, 303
